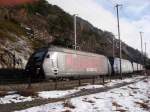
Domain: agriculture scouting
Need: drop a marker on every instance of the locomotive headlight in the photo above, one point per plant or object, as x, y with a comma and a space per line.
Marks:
37, 70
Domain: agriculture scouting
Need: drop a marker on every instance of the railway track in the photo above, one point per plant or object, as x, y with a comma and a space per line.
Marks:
50, 85
53, 85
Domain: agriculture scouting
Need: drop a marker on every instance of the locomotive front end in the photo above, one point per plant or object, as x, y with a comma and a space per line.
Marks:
34, 66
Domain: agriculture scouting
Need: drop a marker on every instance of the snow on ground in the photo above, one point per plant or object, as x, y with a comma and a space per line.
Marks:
131, 98
15, 98
90, 87
55, 94
61, 94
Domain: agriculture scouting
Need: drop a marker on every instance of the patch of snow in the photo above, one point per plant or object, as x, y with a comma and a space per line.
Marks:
55, 94
15, 98
90, 87
61, 94
27, 28
54, 107
126, 80
11, 92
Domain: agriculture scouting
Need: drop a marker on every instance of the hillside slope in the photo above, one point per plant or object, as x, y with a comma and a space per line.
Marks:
26, 27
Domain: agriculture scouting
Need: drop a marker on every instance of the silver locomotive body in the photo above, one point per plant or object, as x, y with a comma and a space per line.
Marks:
60, 62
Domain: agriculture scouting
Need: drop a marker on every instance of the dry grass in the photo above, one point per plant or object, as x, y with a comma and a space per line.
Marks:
90, 101
118, 107
130, 94
87, 100
97, 98
66, 111
121, 110
67, 103
146, 81
3, 93
132, 87
116, 104
11, 27
28, 92
134, 92
144, 105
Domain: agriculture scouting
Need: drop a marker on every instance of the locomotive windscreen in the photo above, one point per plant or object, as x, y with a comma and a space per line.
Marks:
39, 56
35, 62
36, 58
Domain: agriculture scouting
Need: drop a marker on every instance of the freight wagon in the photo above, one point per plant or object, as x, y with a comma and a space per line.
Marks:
126, 66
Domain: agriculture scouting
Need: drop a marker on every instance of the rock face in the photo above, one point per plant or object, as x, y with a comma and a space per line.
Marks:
14, 2
26, 27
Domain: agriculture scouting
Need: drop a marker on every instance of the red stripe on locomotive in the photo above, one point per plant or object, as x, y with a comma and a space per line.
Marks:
80, 63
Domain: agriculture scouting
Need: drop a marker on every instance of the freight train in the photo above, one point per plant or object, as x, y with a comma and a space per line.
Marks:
56, 62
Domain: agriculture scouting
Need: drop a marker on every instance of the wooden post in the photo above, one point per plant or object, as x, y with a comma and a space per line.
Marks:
29, 82
100, 79
29, 78
109, 73
93, 80
110, 77
56, 83
79, 81
103, 79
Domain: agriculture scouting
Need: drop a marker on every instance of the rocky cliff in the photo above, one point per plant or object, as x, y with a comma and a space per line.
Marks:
29, 26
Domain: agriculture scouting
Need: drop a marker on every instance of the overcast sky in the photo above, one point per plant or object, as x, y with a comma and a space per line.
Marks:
134, 17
